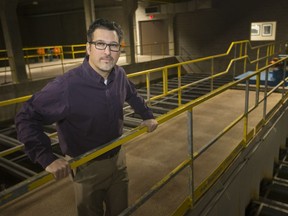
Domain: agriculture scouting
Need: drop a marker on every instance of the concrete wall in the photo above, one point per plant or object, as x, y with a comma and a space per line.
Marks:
48, 24
240, 184
201, 30
210, 31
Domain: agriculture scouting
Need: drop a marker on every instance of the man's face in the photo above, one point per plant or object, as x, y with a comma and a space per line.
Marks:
102, 61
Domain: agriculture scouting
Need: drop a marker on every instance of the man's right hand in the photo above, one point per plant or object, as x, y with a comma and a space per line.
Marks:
59, 168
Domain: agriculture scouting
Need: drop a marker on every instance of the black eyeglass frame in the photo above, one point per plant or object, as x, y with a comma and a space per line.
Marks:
110, 45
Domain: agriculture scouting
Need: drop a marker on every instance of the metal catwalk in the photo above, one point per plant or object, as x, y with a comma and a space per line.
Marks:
149, 157
147, 160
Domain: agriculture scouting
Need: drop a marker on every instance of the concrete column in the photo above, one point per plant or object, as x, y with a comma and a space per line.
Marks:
171, 34
130, 7
89, 10
13, 41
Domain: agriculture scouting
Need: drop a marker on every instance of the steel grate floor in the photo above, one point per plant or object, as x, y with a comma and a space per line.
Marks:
16, 167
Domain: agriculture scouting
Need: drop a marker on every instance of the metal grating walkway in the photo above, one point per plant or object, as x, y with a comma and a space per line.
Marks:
17, 167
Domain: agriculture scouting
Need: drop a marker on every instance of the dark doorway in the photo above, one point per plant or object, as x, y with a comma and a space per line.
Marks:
154, 37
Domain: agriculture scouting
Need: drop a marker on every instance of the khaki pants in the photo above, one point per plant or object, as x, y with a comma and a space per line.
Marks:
101, 187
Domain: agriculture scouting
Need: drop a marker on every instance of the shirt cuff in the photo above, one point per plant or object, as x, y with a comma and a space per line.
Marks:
46, 160
147, 115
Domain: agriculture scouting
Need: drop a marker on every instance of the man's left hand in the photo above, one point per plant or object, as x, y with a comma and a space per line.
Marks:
151, 124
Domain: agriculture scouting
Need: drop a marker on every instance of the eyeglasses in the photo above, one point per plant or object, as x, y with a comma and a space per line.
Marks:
114, 47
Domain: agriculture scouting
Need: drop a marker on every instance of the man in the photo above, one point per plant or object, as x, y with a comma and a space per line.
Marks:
87, 105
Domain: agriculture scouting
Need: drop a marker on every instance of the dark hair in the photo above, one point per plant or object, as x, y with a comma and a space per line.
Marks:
104, 24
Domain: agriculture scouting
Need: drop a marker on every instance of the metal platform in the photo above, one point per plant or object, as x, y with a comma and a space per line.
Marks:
149, 157
17, 167
273, 77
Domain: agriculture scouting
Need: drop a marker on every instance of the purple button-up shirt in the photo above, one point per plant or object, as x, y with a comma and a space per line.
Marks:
88, 113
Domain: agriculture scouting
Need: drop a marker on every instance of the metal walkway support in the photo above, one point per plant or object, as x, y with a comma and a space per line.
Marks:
273, 198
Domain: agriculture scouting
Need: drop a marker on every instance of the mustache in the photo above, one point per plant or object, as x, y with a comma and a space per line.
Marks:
107, 58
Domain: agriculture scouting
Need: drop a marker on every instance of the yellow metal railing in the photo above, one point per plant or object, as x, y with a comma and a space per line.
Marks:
75, 51
3, 55
197, 191
5, 70
64, 57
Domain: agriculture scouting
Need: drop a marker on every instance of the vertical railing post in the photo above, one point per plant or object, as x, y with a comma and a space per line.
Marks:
148, 87
265, 95
179, 86
234, 63
73, 55
165, 81
62, 58
246, 108
284, 78
268, 52
273, 49
190, 152
212, 73
245, 60
267, 55
257, 78
240, 50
